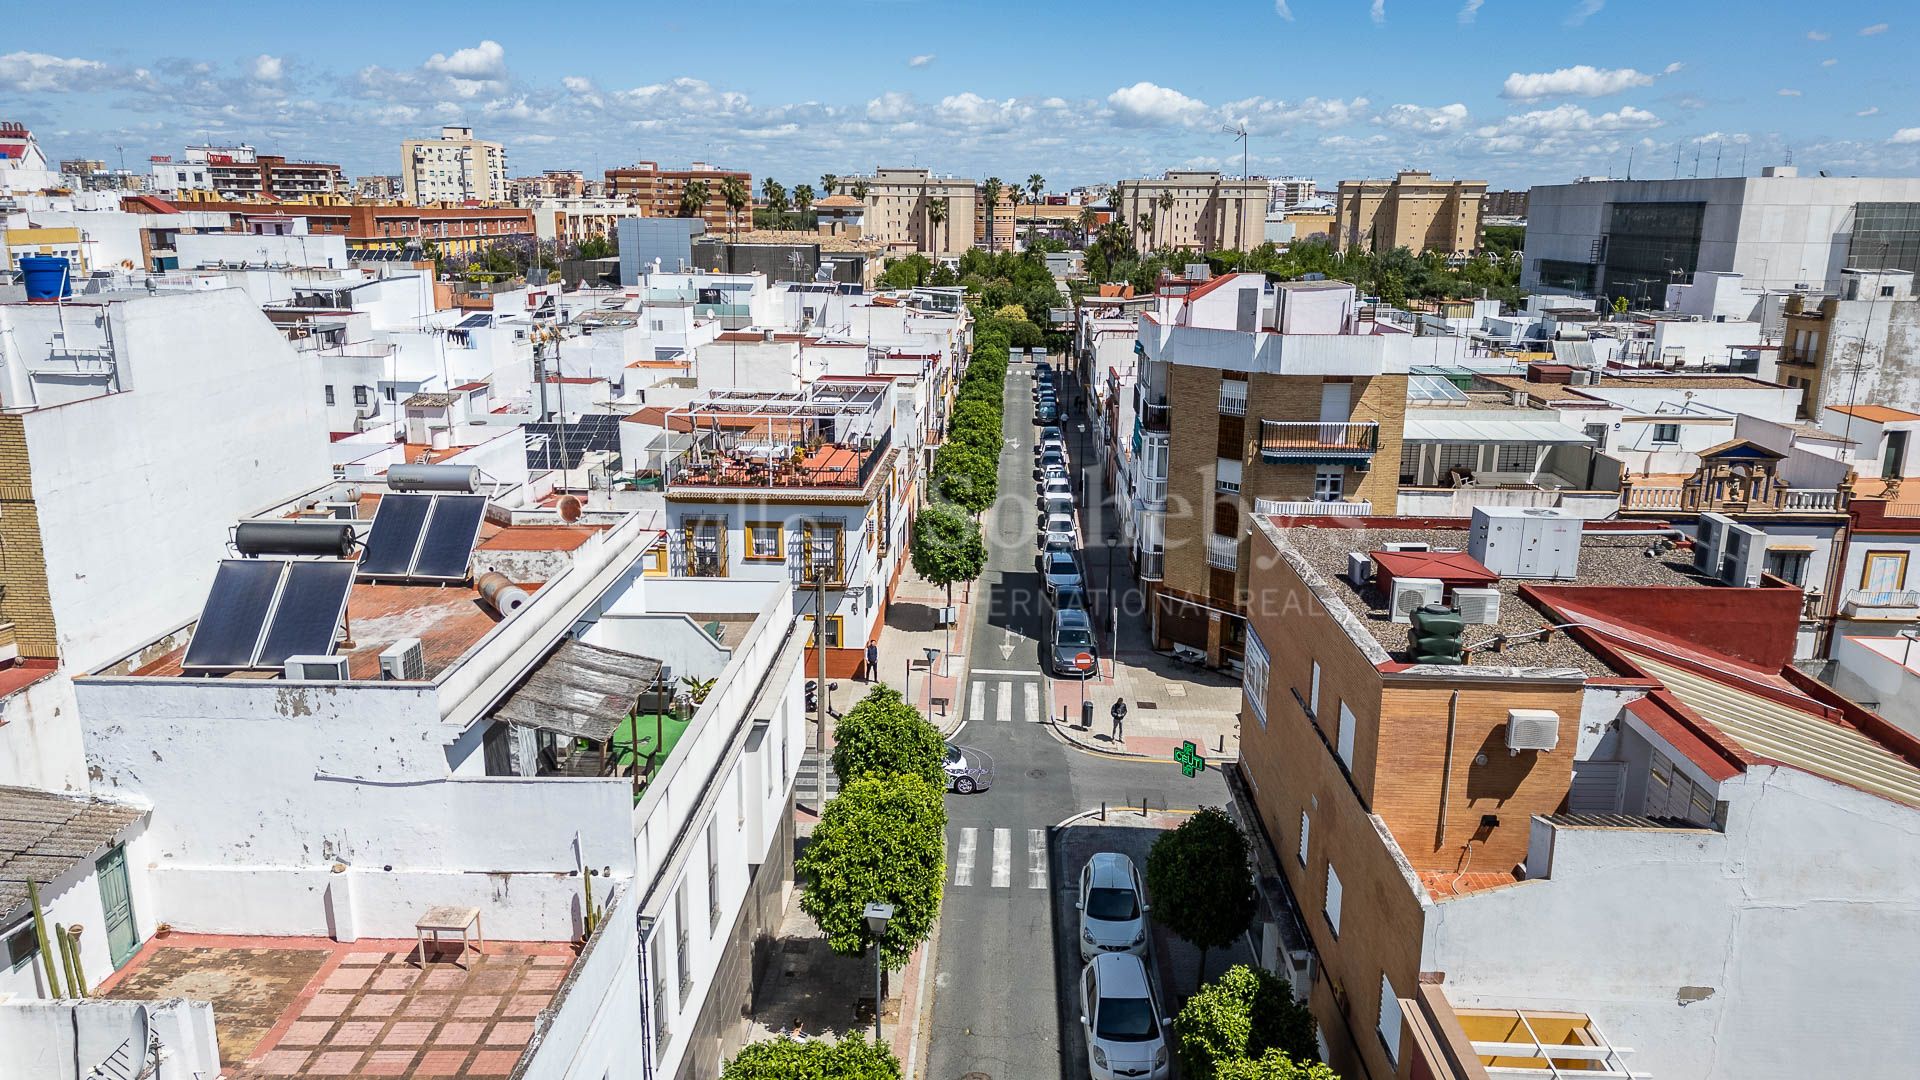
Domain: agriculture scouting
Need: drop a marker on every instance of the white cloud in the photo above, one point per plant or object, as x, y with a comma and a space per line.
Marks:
266, 69
1438, 120
890, 107
1787, 91
1871, 110
1906, 135
1150, 103
1378, 13
1571, 118
971, 110
1818, 35
485, 62
1584, 10
1470, 9
1830, 61
1581, 80
920, 61
1273, 115
1876, 28
1281, 9
42, 73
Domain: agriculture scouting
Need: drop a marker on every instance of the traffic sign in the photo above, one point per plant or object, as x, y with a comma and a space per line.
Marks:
1084, 661
1191, 763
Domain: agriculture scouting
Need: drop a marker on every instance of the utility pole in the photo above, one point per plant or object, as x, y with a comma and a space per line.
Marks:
819, 698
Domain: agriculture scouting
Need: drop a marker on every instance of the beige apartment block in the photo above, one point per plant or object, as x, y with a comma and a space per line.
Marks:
1207, 212
456, 167
1412, 210
899, 210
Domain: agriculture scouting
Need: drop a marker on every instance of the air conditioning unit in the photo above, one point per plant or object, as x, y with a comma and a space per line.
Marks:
1302, 967
317, 668
1410, 594
403, 661
1743, 556
1478, 607
1359, 569
1405, 545
342, 511
1532, 729
1709, 534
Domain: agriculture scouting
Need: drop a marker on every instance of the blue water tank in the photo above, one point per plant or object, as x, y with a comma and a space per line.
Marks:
48, 277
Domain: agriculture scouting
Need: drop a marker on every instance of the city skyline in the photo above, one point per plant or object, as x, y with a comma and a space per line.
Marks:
1513, 94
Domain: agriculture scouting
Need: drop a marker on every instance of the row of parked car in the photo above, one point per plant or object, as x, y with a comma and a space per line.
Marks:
1069, 647
1119, 1008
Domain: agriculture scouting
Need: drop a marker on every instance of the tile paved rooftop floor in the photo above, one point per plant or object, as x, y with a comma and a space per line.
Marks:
315, 1007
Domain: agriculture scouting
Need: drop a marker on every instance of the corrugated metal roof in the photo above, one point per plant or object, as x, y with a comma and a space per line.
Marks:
43, 835
1768, 728
1457, 427
582, 690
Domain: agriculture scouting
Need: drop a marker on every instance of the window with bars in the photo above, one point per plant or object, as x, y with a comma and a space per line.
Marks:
1458, 455
764, 540
662, 1019
683, 956
713, 875
1516, 457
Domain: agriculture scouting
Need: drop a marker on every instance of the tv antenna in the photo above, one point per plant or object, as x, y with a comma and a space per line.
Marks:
1239, 132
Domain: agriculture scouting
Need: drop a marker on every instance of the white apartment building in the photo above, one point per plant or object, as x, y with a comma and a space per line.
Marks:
1196, 210
897, 205
570, 219
456, 167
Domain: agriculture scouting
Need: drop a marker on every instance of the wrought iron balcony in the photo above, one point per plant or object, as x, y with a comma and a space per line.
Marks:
1223, 552
1312, 441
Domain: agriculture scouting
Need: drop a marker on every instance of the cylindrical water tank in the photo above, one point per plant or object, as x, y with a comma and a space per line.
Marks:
499, 590
330, 538
48, 277
464, 478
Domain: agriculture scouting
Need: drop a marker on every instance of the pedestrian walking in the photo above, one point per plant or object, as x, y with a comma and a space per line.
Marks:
873, 660
1119, 714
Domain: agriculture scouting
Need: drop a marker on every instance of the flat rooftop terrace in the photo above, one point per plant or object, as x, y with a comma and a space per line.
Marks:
1605, 559
315, 1007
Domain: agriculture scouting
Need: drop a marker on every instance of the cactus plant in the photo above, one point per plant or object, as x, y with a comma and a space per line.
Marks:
46, 943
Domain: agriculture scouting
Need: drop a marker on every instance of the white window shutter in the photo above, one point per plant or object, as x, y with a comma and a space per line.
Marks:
1389, 1018
1304, 827
1333, 898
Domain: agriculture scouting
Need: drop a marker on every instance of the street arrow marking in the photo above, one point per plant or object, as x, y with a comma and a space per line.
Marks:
1006, 645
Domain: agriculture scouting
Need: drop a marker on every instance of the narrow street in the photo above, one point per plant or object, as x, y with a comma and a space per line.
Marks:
1003, 999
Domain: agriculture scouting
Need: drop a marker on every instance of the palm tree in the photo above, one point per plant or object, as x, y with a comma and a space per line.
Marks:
1166, 206
1088, 219
936, 217
693, 198
802, 200
1144, 223
829, 183
1036, 186
860, 190
992, 188
776, 194
738, 197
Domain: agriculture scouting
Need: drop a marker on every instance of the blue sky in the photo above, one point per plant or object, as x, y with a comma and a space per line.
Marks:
1515, 92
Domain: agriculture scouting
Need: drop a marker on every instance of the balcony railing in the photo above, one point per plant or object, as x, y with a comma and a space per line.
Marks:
1309, 440
1641, 497
1233, 398
1688, 498
1888, 604
1223, 552
831, 466
1312, 508
1157, 417
1153, 564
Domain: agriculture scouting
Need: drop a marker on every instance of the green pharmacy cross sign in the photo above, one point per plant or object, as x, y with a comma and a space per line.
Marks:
1191, 763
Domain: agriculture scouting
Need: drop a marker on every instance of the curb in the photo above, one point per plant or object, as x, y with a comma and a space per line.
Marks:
923, 1005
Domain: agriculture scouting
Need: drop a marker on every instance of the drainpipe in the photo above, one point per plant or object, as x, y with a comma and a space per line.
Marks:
1446, 774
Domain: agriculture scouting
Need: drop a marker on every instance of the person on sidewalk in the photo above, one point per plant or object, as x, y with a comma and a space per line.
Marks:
1119, 714
873, 660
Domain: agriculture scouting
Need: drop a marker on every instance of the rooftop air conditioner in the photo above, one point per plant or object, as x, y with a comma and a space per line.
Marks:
1743, 556
403, 661
1405, 545
317, 668
1709, 533
1359, 569
1478, 607
1413, 593
1532, 729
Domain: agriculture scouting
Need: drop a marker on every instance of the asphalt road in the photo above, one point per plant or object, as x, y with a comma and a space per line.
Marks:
1002, 997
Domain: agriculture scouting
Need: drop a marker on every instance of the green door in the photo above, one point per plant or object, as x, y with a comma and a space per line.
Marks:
123, 940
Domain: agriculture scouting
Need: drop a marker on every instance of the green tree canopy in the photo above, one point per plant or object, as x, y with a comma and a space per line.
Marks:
908, 272
965, 476
693, 198
1201, 882
851, 1057
882, 735
947, 547
1273, 1065
881, 840
1243, 1014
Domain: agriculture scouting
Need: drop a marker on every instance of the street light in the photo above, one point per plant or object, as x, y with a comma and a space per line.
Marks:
877, 916
932, 655
1113, 605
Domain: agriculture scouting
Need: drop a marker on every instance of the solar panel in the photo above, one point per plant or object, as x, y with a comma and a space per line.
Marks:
447, 548
236, 610
395, 535
473, 322
308, 613
561, 446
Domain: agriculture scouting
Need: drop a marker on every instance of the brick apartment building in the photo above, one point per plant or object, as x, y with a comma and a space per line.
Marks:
657, 191
393, 229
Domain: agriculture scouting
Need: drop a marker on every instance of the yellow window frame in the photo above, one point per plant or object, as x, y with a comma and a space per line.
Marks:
836, 631
758, 529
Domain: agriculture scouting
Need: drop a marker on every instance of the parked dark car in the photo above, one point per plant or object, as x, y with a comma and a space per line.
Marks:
1069, 634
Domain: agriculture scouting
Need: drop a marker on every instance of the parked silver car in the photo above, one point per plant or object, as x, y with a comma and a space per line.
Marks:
968, 769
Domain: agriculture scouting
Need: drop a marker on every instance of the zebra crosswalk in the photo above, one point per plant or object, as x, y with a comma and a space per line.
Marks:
808, 775
995, 863
1004, 699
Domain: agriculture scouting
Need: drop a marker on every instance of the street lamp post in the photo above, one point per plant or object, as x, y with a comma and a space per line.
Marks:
932, 655
1113, 603
877, 916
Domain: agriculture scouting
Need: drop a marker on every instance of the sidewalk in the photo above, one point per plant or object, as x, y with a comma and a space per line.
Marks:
911, 629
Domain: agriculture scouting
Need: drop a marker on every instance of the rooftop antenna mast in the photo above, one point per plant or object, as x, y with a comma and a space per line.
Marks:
1239, 131
1676, 159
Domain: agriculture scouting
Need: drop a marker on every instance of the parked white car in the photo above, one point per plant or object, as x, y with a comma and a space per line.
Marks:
1126, 1035
1058, 532
1113, 907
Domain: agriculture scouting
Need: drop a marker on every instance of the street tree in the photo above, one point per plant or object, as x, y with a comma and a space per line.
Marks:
1243, 1014
693, 198
884, 736
1201, 882
881, 840
966, 477
1273, 1065
947, 547
850, 1057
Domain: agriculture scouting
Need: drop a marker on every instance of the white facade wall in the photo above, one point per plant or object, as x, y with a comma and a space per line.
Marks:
197, 250
73, 899
40, 743
1777, 403
61, 1040
1882, 673
1714, 955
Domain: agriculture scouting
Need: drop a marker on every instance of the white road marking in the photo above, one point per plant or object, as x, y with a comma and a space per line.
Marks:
963, 862
1003, 702
978, 701
1001, 671
1033, 702
1002, 858
1036, 858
